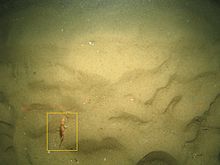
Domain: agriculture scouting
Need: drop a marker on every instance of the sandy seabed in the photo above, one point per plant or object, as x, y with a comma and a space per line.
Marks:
143, 76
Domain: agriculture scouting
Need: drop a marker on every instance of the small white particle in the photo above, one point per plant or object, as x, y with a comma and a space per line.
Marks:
91, 43
48, 152
61, 30
194, 155
104, 159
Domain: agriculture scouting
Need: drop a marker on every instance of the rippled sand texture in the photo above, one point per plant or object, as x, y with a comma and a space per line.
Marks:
143, 75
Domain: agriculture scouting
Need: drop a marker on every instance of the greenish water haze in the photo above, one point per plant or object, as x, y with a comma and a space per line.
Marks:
143, 75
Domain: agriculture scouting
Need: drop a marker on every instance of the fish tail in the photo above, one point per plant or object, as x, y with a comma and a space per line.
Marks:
61, 141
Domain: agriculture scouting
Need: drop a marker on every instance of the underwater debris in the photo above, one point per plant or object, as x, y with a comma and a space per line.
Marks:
158, 157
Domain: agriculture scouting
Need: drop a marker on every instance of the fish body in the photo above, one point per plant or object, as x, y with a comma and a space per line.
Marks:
62, 131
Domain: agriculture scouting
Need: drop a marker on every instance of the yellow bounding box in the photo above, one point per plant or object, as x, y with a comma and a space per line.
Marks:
61, 131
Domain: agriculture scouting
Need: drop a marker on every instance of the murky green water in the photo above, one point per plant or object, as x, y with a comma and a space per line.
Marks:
140, 80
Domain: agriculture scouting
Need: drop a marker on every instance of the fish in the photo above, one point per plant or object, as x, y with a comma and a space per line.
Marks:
62, 130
